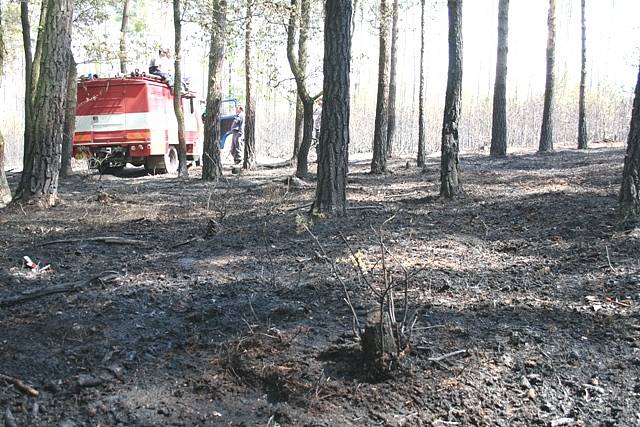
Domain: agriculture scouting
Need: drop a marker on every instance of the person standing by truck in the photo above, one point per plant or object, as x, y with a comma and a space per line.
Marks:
237, 130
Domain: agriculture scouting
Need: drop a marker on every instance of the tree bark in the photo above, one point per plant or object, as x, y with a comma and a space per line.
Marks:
211, 164
421, 113
299, 74
69, 118
39, 183
546, 132
450, 174
123, 37
582, 120
393, 75
333, 150
499, 125
250, 104
379, 160
183, 171
5, 192
630, 190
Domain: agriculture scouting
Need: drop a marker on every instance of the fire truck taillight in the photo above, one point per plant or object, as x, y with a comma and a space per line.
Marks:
138, 149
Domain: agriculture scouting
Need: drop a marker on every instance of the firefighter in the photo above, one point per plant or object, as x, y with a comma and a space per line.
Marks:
162, 66
236, 129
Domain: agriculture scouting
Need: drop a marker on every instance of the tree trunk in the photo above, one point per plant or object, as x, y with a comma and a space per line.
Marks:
5, 192
211, 164
123, 37
183, 172
39, 183
421, 113
299, 73
69, 119
302, 166
37, 58
393, 74
28, 92
297, 132
630, 191
32, 73
450, 174
546, 132
250, 104
499, 125
303, 60
333, 151
582, 120
379, 161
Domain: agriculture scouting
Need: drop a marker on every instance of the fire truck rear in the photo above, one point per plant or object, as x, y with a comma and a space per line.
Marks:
132, 120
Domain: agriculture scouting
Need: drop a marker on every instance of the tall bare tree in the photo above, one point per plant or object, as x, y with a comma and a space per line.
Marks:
499, 125
123, 37
5, 192
582, 120
379, 160
630, 190
183, 171
39, 182
302, 167
211, 164
546, 131
250, 103
393, 76
334, 133
421, 113
450, 174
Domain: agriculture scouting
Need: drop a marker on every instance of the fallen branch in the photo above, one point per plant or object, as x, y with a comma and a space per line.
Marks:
186, 242
359, 208
446, 356
24, 388
32, 294
114, 240
306, 205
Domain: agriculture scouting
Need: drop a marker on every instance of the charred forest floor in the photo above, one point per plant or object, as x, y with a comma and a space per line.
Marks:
211, 305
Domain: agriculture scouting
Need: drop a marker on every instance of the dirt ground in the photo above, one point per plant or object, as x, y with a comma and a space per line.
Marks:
215, 308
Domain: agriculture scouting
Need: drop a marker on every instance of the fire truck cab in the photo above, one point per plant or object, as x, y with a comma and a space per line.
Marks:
131, 120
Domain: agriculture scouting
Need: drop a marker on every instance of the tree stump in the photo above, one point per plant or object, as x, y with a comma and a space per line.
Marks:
379, 348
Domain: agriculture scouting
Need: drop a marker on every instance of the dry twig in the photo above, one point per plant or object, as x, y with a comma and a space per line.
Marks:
18, 384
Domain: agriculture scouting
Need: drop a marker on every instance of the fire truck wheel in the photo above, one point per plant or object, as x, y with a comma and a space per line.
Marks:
171, 160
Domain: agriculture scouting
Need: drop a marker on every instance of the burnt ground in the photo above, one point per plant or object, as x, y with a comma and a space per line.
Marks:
219, 309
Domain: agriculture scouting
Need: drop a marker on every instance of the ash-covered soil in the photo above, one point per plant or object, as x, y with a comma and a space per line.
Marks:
214, 307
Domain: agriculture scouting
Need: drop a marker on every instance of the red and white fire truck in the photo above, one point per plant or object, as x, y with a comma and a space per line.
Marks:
131, 120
